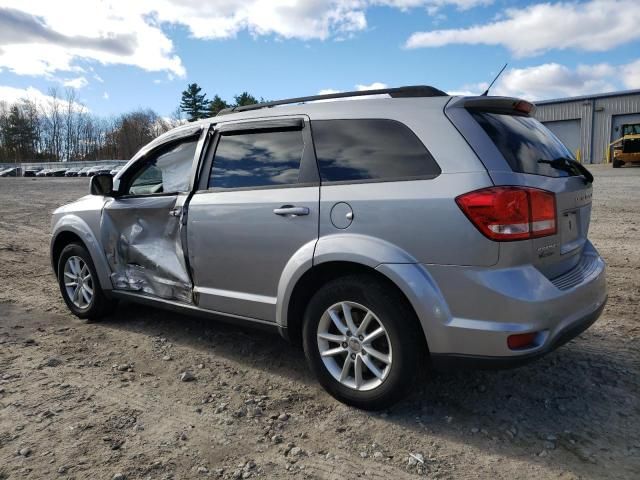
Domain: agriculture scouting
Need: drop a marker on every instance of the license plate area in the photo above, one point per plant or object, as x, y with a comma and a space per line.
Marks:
569, 231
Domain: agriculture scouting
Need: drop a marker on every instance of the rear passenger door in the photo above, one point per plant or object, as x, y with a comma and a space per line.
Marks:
256, 206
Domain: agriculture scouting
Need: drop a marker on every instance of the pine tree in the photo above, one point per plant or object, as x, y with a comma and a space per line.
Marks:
245, 98
20, 134
216, 105
193, 103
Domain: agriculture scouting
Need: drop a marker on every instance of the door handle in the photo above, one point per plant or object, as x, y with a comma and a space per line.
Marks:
175, 212
291, 210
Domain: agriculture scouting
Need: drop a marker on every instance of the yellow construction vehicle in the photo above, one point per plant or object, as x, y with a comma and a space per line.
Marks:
626, 149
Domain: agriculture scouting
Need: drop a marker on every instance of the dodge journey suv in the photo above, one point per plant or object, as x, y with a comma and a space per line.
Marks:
385, 235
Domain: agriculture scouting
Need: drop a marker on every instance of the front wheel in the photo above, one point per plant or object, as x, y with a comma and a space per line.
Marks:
79, 284
362, 341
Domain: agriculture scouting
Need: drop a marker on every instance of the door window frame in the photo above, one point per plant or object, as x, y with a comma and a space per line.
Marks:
125, 178
309, 175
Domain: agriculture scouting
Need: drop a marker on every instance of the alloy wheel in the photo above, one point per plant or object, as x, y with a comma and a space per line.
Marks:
354, 346
78, 282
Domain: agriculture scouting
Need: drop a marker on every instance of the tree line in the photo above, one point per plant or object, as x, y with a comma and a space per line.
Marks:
61, 128
196, 106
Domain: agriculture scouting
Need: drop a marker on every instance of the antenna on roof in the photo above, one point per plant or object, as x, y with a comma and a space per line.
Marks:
486, 92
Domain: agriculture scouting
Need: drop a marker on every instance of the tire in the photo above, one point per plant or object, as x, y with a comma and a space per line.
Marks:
617, 163
75, 259
402, 342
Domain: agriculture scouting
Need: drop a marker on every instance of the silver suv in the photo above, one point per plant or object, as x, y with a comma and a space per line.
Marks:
387, 234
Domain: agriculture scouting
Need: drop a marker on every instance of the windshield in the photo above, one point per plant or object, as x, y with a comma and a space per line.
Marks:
631, 129
523, 142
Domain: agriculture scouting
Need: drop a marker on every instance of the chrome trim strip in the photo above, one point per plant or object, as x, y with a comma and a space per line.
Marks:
247, 297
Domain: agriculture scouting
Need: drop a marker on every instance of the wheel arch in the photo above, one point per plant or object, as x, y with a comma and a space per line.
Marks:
313, 278
72, 229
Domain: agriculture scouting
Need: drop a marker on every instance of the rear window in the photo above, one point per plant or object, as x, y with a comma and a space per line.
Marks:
369, 150
523, 142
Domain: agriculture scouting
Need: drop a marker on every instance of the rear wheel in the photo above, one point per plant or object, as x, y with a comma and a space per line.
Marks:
362, 342
617, 163
79, 284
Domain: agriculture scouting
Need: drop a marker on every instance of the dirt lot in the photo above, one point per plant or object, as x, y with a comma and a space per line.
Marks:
105, 401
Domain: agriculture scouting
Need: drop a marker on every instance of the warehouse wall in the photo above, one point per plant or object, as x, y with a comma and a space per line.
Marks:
595, 116
571, 110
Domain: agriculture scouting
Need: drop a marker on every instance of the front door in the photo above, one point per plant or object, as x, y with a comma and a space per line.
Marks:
257, 207
142, 228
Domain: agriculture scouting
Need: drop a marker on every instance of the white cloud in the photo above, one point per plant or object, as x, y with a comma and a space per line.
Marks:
305, 20
630, 74
552, 80
433, 6
105, 96
328, 91
372, 86
42, 37
77, 83
311, 19
12, 95
359, 87
595, 25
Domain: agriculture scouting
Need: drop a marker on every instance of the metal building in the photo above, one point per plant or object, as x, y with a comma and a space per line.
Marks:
587, 125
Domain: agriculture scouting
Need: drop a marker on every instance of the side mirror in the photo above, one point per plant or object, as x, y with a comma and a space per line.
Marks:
101, 184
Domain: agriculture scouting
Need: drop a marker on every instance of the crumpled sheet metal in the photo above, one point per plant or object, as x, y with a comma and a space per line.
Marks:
145, 251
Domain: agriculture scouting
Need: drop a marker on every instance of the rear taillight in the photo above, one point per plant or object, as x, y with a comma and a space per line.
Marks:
510, 213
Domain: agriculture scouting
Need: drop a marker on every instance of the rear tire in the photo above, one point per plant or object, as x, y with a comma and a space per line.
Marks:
359, 368
617, 163
79, 284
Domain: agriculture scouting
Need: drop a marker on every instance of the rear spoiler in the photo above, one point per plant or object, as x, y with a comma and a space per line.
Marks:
508, 105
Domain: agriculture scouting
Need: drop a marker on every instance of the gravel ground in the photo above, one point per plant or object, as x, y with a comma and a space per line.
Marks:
106, 400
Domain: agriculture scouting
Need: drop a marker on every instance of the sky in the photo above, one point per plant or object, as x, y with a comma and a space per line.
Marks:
120, 55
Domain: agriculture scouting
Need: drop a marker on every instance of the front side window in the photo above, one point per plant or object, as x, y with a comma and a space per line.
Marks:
370, 149
257, 159
166, 172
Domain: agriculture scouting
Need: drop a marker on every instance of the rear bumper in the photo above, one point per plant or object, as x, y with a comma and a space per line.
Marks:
468, 313
449, 361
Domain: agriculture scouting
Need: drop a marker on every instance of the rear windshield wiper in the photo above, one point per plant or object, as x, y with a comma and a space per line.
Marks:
569, 165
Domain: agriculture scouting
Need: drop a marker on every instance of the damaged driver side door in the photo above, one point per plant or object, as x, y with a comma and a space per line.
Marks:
142, 227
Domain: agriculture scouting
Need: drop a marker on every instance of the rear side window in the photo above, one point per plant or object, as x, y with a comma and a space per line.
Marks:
523, 142
259, 159
371, 149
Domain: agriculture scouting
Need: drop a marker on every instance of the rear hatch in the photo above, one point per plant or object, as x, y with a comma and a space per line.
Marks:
518, 150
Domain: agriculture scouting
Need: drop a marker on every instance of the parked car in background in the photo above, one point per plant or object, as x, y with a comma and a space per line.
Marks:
83, 171
44, 172
115, 170
72, 172
104, 169
11, 172
58, 172
385, 236
93, 170
32, 171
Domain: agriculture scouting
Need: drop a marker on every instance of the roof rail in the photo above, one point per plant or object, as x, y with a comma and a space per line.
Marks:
400, 92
